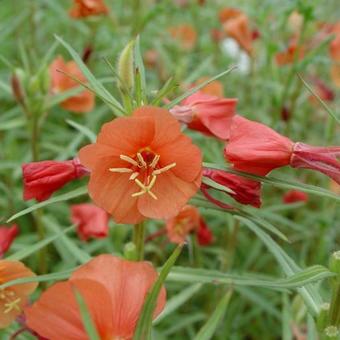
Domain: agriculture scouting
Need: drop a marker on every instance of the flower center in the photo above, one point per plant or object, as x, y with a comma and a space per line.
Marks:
10, 300
144, 169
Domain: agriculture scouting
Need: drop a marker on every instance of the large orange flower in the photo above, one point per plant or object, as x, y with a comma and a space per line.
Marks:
14, 298
114, 291
142, 166
80, 103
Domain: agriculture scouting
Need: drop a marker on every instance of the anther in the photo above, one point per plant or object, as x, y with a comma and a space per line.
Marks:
12, 305
164, 169
155, 161
141, 159
121, 170
134, 176
128, 159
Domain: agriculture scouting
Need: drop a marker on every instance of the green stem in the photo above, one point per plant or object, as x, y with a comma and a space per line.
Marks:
334, 312
138, 239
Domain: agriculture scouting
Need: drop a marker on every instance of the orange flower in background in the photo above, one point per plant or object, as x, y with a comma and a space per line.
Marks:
335, 74
91, 221
85, 8
322, 90
185, 34
236, 25
114, 291
80, 103
179, 227
292, 53
215, 88
14, 298
142, 166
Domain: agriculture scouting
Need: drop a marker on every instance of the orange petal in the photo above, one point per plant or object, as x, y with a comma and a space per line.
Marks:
56, 314
167, 128
172, 193
82, 103
57, 77
187, 156
127, 283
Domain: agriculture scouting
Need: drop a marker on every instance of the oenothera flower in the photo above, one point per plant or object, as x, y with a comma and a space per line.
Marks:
188, 221
42, 179
114, 291
142, 166
236, 25
245, 191
91, 221
7, 236
255, 148
61, 82
14, 298
208, 114
294, 196
85, 8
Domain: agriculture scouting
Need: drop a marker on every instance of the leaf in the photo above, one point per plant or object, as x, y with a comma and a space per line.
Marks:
141, 88
143, 329
277, 182
95, 84
178, 300
60, 198
196, 88
88, 323
83, 129
23, 253
208, 330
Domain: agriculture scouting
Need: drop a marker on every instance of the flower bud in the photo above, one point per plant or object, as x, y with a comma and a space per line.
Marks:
334, 262
323, 319
17, 83
331, 333
125, 67
130, 252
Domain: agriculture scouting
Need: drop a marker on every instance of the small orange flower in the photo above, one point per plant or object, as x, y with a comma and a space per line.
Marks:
85, 8
185, 34
292, 53
236, 25
180, 226
215, 88
80, 103
14, 298
142, 166
114, 291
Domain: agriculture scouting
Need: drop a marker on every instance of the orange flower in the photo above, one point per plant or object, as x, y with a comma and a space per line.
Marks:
85, 8
82, 102
292, 53
335, 74
13, 299
186, 35
236, 25
114, 291
142, 166
180, 226
215, 88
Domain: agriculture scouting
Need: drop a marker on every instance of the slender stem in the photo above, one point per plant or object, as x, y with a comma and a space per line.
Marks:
334, 312
138, 239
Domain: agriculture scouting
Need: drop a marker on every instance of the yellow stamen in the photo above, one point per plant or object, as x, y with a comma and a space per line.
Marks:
141, 160
164, 169
134, 176
155, 161
121, 170
12, 305
128, 159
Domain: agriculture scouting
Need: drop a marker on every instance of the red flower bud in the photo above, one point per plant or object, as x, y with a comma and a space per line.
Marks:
294, 196
204, 234
42, 179
92, 221
246, 191
7, 236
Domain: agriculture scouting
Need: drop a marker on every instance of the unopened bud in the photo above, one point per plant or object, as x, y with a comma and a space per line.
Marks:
334, 262
17, 85
323, 318
331, 333
125, 67
130, 252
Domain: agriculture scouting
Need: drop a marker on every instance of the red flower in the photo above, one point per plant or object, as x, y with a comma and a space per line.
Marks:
294, 196
204, 234
208, 114
7, 236
42, 179
257, 149
114, 291
91, 221
80, 103
85, 8
246, 191
142, 166
322, 90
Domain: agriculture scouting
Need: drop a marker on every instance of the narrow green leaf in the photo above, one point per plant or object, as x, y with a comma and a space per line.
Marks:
60, 198
196, 88
23, 253
209, 328
143, 329
83, 129
86, 316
